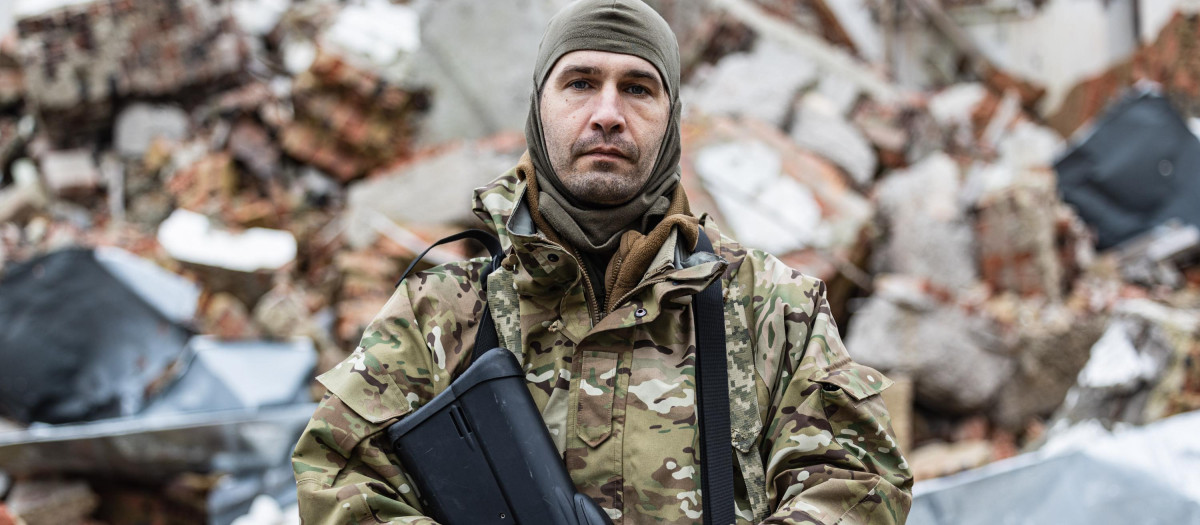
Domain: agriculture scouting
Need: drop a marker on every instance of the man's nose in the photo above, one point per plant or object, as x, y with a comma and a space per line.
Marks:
608, 114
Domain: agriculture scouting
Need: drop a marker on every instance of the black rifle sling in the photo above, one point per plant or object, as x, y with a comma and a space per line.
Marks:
487, 338
716, 456
716, 472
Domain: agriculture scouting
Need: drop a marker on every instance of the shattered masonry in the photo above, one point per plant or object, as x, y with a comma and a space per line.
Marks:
282, 161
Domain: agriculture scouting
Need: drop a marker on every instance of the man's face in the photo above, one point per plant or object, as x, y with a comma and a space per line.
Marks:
604, 115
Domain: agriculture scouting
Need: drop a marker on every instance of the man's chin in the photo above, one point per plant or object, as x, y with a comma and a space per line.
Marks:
607, 167
606, 188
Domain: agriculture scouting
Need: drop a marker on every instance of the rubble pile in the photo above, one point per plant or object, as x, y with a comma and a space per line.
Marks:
76, 60
286, 159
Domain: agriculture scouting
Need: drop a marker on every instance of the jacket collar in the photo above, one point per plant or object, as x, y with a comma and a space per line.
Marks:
540, 264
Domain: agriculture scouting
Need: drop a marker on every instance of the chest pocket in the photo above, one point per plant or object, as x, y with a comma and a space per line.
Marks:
597, 387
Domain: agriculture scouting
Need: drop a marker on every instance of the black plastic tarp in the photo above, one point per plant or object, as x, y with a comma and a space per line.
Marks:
1138, 168
78, 343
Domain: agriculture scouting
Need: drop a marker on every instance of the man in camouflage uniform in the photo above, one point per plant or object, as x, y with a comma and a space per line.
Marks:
594, 298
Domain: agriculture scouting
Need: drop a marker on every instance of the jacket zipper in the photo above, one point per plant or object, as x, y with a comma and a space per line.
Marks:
616, 270
589, 290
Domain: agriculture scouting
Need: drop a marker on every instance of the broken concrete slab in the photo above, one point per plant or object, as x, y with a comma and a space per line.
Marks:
856, 19
722, 89
463, 40
1029, 145
954, 107
258, 17
429, 191
954, 357
770, 211
832, 218
70, 172
139, 124
928, 232
818, 126
829, 59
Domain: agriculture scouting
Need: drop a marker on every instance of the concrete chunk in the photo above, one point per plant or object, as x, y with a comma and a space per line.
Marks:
70, 171
139, 124
725, 89
953, 357
929, 234
818, 126
431, 191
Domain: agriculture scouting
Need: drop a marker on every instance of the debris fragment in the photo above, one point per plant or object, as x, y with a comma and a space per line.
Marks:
110, 343
49, 502
1134, 171
140, 124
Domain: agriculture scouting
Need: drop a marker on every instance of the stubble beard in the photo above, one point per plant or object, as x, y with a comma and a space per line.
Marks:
599, 181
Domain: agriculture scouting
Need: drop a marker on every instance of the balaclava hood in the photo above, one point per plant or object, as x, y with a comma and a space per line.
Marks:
628, 27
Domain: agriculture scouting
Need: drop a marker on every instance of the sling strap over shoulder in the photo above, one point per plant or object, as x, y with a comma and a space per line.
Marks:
487, 338
716, 454
712, 375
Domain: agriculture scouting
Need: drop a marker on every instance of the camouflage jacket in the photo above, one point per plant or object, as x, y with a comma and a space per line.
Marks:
812, 440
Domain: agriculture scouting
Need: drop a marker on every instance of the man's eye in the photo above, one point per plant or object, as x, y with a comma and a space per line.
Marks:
638, 90
579, 84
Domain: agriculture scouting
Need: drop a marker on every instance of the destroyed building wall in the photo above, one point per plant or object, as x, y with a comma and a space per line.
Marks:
290, 158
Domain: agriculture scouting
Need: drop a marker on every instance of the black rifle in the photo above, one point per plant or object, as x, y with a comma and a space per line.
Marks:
479, 452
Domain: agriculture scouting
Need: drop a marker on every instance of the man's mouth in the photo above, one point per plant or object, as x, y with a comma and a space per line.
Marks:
606, 153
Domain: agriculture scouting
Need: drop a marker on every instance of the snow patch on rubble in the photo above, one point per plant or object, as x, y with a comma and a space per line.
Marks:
955, 104
1116, 362
24, 8
382, 34
259, 17
190, 237
767, 209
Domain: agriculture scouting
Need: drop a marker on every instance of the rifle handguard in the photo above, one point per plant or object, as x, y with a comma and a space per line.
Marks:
479, 453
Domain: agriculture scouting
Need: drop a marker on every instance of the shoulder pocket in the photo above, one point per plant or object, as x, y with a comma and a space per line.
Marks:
371, 395
857, 381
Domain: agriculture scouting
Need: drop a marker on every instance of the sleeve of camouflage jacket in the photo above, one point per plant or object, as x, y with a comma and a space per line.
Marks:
343, 473
829, 451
